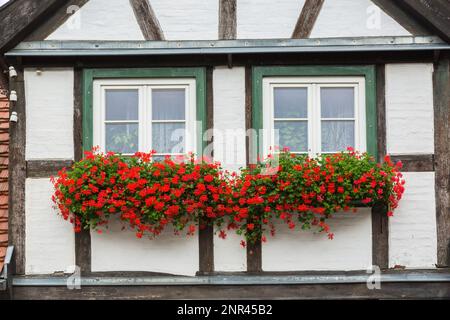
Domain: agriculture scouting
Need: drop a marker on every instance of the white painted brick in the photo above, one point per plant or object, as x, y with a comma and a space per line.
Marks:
301, 250
101, 20
49, 239
412, 230
229, 117
265, 19
354, 18
228, 253
409, 108
188, 19
117, 250
49, 118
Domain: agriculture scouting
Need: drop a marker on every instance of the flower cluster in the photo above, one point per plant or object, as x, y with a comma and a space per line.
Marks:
147, 195
304, 192
186, 193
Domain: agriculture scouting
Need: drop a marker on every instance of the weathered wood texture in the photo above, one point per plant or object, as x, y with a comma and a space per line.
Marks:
17, 174
434, 14
307, 19
53, 22
405, 19
380, 223
416, 163
254, 250
380, 236
46, 168
83, 251
83, 239
426, 290
269, 59
147, 20
206, 234
21, 17
441, 81
227, 19
78, 114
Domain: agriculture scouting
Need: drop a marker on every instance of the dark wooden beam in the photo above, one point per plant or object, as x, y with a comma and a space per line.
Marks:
206, 234
17, 174
227, 19
402, 290
307, 19
441, 81
82, 239
46, 168
405, 19
147, 20
254, 250
380, 220
56, 20
416, 163
21, 17
434, 14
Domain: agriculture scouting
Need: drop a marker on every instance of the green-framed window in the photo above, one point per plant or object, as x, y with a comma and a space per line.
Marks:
314, 109
129, 110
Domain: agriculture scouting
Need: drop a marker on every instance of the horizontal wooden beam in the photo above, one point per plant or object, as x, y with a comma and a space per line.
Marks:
402, 290
46, 168
416, 163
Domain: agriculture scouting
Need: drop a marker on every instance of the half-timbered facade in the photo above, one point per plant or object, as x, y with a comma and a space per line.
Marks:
126, 75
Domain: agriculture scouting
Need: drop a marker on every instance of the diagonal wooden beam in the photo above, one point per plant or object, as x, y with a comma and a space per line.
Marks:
56, 20
227, 19
147, 20
405, 19
307, 19
433, 14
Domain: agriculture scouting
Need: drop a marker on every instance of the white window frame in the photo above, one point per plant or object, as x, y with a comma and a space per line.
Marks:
313, 84
145, 87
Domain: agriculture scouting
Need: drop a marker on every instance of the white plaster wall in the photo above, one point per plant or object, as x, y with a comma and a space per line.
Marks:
100, 20
265, 19
50, 240
228, 253
412, 230
117, 250
409, 109
229, 149
49, 114
188, 19
301, 250
229, 117
354, 18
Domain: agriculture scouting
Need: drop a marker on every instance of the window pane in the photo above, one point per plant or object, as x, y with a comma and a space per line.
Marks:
338, 102
292, 134
168, 104
168, 137
122, 104
291, 102
122, 138
337, 135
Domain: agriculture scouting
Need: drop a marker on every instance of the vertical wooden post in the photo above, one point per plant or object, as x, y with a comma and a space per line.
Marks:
441, 84
17, 173
82, 239
206, 234
254, 250
380, 220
